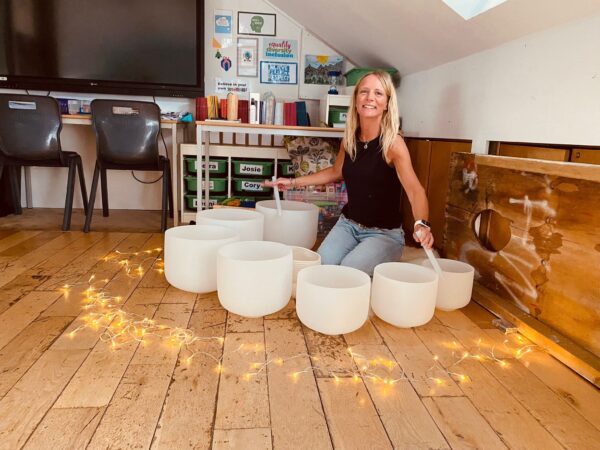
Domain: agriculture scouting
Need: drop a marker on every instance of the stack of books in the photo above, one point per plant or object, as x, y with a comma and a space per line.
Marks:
269, 111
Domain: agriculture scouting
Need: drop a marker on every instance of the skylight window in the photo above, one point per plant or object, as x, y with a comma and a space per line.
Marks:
468, 9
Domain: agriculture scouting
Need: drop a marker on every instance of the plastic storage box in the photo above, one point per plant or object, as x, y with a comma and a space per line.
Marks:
286, 169
254, 186
330, 206
191, 200
215, 184
253, 168
215, 166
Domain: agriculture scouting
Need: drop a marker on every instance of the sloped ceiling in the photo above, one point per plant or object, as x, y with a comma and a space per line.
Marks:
415, 35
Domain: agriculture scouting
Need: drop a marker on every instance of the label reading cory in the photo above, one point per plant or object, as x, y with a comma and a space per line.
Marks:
251, 169
251, 186
211, 185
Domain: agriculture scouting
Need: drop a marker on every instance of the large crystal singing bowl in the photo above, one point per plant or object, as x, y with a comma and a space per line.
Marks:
455, 284
249, 224
303, 257
404, 294
254, 278
333, 299
297, 224
191, 255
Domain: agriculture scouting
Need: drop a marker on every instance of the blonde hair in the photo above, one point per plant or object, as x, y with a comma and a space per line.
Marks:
390, 123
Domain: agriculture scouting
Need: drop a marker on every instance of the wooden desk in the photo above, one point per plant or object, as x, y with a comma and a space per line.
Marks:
86, 119
203, 141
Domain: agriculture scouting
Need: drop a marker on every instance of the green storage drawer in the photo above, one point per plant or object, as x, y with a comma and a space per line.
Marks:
216, 166
249, 185
286, 169
253, 168
337, 114
191, 200
215, 184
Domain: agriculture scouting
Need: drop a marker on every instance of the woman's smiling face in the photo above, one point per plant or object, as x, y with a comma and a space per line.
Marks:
371, 99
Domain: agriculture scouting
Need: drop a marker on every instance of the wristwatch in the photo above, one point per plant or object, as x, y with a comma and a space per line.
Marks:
423, 223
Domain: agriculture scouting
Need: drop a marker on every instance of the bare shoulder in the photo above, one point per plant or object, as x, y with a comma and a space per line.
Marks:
399, 151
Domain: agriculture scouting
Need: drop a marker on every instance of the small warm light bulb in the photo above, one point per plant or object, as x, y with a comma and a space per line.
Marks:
503, 363
437, 380
355, 377
279, 361
295, 375
436, 357
465, 354
219, 367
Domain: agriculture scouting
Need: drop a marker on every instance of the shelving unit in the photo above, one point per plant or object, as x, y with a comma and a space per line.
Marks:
205, 147
275, 154
330, 101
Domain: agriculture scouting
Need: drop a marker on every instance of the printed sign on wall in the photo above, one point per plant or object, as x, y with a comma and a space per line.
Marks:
225, 86
280, 49
278, 72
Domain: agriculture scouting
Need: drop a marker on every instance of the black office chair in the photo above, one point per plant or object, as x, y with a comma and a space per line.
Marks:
127, 139
30, 136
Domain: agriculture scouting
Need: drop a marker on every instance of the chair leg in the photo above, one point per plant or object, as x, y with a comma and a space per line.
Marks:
88, 216
165, 198
84, 196
69, 197
104, 189
15, 187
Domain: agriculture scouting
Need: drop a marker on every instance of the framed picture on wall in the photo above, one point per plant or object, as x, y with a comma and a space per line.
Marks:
247, 56
278, 72
259, 24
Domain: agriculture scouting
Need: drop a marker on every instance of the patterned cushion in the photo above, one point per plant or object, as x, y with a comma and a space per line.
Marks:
310, 154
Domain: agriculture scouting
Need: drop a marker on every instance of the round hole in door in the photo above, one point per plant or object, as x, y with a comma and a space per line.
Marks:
492, 230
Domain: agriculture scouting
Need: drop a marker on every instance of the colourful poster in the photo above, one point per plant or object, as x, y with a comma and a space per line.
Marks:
278, 72
316, 68
223, 21
280, 49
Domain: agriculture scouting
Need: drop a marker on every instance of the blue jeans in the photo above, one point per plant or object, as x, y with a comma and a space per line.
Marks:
354, 245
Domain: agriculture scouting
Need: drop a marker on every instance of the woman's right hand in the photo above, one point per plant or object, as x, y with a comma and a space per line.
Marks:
283, 184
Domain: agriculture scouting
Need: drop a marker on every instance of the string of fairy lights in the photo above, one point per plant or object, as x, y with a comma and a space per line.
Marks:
117, 326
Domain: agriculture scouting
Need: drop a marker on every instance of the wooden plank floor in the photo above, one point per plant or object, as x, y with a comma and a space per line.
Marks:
254, 383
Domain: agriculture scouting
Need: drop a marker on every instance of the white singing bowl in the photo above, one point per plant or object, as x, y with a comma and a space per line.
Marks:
303, 257
333, 299
404, 294
297, 224
455, 284
249, 224
191, 255
254, 278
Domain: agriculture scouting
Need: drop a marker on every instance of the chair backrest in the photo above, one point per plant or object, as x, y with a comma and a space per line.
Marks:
29, 127
126, 132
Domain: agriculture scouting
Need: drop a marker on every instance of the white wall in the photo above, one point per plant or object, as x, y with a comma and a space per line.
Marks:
544, 88
49, 184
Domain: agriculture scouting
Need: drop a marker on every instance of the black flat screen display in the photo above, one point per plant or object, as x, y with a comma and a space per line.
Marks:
121, 46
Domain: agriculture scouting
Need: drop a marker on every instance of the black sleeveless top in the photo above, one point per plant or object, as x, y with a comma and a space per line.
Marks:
374, 190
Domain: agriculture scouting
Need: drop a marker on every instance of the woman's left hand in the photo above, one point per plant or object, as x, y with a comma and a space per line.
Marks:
423, 236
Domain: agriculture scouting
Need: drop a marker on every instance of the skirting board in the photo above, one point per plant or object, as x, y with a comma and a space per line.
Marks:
562, 348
